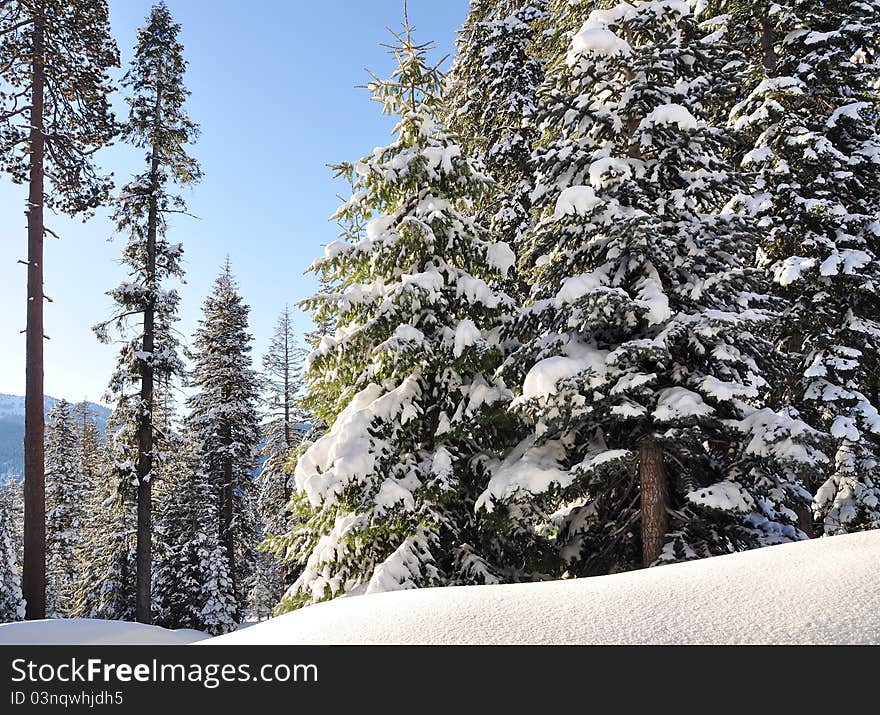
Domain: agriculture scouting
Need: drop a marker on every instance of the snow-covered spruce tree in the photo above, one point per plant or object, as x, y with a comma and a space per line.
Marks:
812, 138
171, 511
11, 602
562, 20
88, 438
284, 419
66, 493
192, 587
285, 422
108, 585
157, 122
490, 98
267, 585
642, 366
107, 550
352, 229
406, 381
224, 425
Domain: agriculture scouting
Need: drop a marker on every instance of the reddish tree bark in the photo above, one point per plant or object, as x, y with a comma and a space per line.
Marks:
768, 49
655, 500
34, 574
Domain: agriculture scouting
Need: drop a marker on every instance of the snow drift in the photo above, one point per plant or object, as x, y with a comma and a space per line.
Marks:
84, 631
824, 591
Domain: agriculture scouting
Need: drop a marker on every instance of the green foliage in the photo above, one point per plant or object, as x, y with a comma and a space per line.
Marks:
406, 380
66, 495
223, 425
78, 54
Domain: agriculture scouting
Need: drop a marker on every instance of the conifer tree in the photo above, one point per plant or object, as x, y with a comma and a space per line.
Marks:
193, 586
643, 368
158, 123
283, 419
563, 19
90, 446
491, 98
107, 551
406, 380
284, 426
352, 228
54, 114
811, 131
323, 326
268, 585
224, 425
11, 602
108, 587
88, 441
66, 492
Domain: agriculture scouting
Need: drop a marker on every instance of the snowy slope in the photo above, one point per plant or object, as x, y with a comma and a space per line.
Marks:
822, 591
81, 631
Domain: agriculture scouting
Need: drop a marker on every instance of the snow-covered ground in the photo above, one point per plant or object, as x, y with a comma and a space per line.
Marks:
822, 591
82, 631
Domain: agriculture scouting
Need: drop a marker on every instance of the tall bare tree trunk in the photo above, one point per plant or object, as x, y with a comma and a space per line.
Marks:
768, 49
287, 430
145, 428
34, 576
227, 537
655, 500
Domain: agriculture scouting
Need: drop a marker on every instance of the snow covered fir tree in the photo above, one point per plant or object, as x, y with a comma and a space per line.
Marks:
107, 548
11, 601
642, 365
608, 299
223, 425
66, 493
193, 584
407, 378
158, 123
809, 126
285, 423
491, 100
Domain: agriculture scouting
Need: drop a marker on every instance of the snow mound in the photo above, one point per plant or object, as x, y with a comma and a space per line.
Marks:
670, 114
599, 41
578, 201
678, 402
501, 257
822, 591
84, 631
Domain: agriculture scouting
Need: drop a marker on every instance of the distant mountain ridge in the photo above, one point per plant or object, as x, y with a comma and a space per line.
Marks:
12, 430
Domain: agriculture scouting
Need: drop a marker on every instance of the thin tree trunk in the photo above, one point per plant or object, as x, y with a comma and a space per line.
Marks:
227, 535
34, 574
768, 51
805, 519
655, 500
631, 124
287, 430
145, 428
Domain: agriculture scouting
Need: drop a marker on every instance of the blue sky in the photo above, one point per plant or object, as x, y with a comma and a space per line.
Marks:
273, 87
